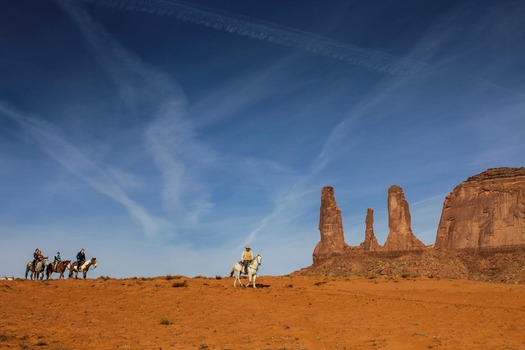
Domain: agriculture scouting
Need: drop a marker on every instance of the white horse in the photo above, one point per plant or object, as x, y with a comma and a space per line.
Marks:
253, 266
37, 269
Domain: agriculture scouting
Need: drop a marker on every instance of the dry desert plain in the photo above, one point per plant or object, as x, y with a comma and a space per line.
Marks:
285, 312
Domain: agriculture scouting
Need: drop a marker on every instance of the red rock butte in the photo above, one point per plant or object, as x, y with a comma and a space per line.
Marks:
486, 212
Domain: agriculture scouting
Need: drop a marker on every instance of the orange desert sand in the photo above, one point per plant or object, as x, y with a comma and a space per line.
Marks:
285, 312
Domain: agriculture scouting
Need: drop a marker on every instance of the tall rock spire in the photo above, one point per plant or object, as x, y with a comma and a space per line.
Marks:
370, 244
330, 227
400, 235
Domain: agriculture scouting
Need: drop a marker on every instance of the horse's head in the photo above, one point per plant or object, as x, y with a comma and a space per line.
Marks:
94, 262
259, 259
45, 261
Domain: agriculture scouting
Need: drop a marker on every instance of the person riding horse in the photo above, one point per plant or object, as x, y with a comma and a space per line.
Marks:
81, 257
247, 257
57, 261
37, 256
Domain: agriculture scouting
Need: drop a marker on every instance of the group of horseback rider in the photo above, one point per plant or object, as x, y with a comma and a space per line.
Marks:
37, 256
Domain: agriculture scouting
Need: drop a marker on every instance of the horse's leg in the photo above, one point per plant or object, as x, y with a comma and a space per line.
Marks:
251, 279
238, 278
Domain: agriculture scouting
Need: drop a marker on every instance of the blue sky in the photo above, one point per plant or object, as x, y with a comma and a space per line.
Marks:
163, 136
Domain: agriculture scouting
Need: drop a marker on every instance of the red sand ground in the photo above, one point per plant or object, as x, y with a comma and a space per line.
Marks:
284, 313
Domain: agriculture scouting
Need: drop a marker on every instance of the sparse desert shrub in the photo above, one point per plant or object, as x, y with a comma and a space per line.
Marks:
165, 322
180, 284
173, 277
217, 277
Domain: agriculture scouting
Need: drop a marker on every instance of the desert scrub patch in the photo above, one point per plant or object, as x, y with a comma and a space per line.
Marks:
165, 322
180, 284
217, 277
173, 277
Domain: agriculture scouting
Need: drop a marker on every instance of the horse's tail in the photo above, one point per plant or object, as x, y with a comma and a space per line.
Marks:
232, 271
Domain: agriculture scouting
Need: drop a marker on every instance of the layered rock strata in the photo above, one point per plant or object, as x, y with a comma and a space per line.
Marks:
330, 227
485, 212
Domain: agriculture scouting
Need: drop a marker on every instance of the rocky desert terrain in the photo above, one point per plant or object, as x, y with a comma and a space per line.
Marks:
284, 312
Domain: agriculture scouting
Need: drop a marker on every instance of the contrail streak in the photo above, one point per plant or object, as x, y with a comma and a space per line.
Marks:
79, 164
270, 32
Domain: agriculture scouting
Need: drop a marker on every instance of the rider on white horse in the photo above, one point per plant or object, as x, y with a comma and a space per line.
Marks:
37, 256
246, 258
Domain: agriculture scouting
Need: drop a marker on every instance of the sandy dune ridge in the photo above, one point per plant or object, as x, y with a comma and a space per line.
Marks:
285, 312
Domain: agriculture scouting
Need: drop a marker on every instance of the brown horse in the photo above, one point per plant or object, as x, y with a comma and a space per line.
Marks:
83, 268
59, 267
37, 269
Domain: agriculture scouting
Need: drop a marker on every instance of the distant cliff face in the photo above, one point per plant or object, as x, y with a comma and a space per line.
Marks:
330, 226
486, 211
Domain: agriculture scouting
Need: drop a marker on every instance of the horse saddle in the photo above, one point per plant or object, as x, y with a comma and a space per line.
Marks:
243, 271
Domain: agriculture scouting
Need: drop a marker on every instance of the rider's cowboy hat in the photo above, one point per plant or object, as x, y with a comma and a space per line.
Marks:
247, 247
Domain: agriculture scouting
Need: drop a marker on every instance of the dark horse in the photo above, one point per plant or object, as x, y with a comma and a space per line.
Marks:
83, 268
37, 269
59, 267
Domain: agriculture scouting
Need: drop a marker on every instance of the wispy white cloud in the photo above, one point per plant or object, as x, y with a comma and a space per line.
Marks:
169, 136
78, 163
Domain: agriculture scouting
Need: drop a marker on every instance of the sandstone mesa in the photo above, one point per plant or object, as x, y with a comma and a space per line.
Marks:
481, 234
